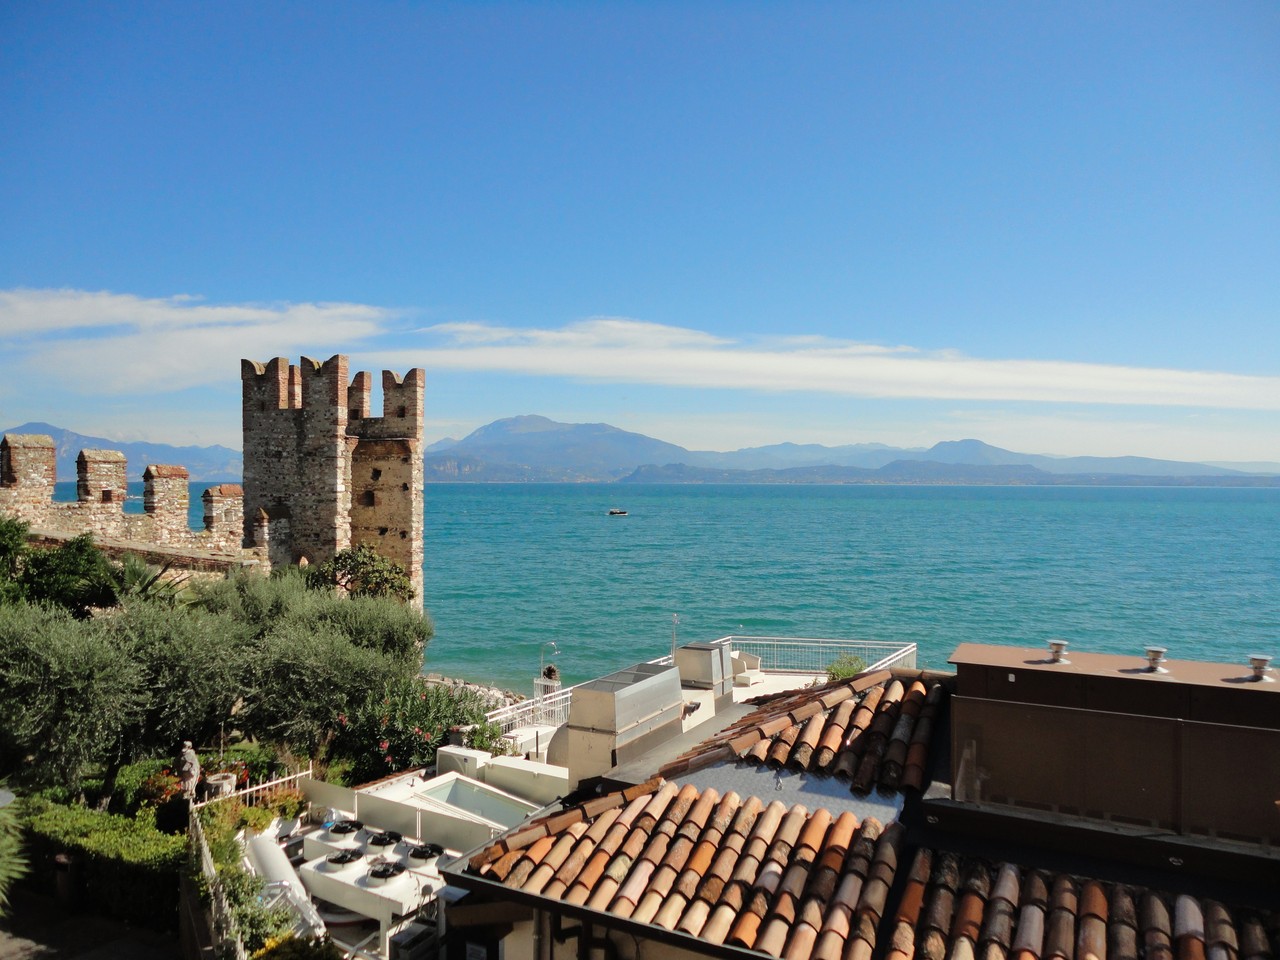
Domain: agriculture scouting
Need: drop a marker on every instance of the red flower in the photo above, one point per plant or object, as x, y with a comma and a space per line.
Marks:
383, 745
388, 759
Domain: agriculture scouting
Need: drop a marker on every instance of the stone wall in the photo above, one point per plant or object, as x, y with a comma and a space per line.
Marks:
321, 473
28, 472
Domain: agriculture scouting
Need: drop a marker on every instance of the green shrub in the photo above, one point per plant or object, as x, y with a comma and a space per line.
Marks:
291, 948
488, 736
256, 922
285, 802
129, 868
221, 822
845, 666
256, 819
129, 784
257, 761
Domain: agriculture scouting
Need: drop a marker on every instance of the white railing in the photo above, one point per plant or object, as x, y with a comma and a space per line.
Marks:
803, 655
813, 655
249, 796
222, 924
222, 920
548, 711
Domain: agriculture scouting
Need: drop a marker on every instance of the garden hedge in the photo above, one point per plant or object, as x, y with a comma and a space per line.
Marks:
125, 868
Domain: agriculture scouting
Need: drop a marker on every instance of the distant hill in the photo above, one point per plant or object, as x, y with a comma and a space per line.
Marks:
931, 472
205, 464
533, 449
536, 449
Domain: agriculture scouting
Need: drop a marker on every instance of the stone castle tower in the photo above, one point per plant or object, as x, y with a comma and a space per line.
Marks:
322, 474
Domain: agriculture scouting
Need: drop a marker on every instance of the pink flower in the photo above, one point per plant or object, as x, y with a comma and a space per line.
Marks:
388, 759
342, 719
383, 745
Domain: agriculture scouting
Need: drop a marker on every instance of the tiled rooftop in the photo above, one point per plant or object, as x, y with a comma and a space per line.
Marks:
797, 883
970, 909
873, 731
785, 881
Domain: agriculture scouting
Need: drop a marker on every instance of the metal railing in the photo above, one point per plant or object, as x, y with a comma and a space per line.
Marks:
250, 796
802, 655
222, 922
548, 711
814, 655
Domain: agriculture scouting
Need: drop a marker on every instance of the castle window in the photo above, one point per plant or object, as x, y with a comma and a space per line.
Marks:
401, 411
108, 496
377, 474
404, 534
369, 499
354, 414
382, 531
404, 486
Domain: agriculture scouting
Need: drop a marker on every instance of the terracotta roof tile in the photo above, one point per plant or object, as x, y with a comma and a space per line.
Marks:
868, 729
532, 857
939, 912
974, 890
554, 858
1122, 931
1060, 934
833, 735
1157, 927
792, 883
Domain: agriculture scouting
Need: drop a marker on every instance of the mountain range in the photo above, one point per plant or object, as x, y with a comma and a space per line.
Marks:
204, 464
536, 449
533, 449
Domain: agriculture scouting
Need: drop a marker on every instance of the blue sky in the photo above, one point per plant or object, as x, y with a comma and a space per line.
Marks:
1051, 226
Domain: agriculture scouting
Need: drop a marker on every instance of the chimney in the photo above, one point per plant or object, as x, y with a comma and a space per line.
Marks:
1260, 663
1058, 651
1155, 657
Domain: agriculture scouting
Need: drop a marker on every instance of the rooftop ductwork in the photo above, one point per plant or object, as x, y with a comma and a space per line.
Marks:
1261, 664
1155, 657
1058, 651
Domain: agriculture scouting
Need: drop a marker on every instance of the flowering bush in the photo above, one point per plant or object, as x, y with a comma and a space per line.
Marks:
233, 765
400, 726
158, 788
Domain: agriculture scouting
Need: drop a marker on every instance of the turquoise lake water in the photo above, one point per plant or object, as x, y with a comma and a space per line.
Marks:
511, 567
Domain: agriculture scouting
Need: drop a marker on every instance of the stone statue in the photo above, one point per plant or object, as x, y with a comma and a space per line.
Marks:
188, 769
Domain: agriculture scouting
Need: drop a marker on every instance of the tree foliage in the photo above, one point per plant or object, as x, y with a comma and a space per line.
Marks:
267, 658
362, 572
402, 724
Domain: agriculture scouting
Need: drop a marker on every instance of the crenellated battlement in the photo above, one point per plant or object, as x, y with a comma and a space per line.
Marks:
321, 473
28, 472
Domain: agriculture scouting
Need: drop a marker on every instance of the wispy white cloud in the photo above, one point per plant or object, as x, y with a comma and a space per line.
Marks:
628, 351
103, 342
128, 350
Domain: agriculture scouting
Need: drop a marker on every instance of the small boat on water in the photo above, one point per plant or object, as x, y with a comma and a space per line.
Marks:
615, 512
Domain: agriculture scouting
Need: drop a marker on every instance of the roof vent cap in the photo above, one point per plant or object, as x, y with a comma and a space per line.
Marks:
1058, 651
1260, 662
1155, 657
